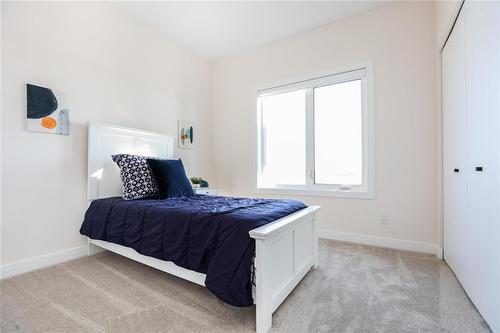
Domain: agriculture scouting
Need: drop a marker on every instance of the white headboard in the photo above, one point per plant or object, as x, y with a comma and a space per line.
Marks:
103, 175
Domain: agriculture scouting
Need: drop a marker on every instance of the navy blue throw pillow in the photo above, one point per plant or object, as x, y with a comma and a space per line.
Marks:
171, 178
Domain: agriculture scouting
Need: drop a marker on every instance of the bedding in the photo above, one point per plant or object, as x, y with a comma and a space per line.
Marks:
207, 234
171, 178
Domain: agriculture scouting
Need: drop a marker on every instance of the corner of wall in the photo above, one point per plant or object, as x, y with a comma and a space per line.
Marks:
213, 151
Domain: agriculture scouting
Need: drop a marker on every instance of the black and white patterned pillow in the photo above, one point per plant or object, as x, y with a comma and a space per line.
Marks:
137, 178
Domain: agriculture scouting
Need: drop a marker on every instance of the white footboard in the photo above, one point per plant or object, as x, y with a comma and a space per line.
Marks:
285, 251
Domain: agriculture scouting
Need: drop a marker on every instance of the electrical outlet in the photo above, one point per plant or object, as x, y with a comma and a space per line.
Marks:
383, 218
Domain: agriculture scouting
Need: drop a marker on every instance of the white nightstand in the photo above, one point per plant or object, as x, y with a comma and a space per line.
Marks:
205, 190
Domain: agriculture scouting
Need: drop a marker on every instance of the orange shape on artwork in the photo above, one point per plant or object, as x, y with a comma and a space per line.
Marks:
48, 122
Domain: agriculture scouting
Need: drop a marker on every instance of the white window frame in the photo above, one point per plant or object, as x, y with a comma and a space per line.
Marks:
364, 191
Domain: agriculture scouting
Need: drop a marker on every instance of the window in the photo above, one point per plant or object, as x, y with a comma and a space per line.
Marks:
313, 137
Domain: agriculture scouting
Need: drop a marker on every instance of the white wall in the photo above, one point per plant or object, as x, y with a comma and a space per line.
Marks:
112, 68
115, 69
400, 40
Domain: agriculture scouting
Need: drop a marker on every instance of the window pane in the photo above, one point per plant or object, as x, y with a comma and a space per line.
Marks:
284, 138
337, 134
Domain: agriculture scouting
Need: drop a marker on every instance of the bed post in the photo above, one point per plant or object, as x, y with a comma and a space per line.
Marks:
315, 240
93, 249
264, 312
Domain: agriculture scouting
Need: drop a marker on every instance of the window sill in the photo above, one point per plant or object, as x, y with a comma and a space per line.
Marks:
318, 192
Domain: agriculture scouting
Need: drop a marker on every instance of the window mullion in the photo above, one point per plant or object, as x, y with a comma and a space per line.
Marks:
310, 136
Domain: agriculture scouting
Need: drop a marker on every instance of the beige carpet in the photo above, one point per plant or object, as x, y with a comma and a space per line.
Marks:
356, 289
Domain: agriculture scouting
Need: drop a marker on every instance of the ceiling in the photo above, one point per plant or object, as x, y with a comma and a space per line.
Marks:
217, 29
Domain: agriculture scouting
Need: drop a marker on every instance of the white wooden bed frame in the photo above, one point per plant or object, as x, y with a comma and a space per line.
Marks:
286, 249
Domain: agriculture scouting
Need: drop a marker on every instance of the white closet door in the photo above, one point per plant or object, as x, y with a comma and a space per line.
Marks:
483, 109
471, 125
454, 145
494, 99
478, 171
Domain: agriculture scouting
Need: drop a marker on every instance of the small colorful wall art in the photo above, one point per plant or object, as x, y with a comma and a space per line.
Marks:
46, 111
186, 135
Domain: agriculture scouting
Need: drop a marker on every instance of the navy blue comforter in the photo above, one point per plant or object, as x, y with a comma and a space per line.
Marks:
207, 234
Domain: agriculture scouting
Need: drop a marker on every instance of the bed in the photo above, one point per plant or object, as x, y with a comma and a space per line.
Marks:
278, 238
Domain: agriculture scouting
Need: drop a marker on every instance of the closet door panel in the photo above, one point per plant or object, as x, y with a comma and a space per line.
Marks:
454, 140
478, 146
492, 313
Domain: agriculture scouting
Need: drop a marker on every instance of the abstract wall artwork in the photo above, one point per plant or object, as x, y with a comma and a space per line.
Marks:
46, 111
186, 136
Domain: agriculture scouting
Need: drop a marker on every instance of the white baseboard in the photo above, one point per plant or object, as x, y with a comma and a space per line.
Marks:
392, 243
27, 265
34, 263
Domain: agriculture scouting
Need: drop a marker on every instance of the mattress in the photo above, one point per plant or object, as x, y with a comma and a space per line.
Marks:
206, 234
